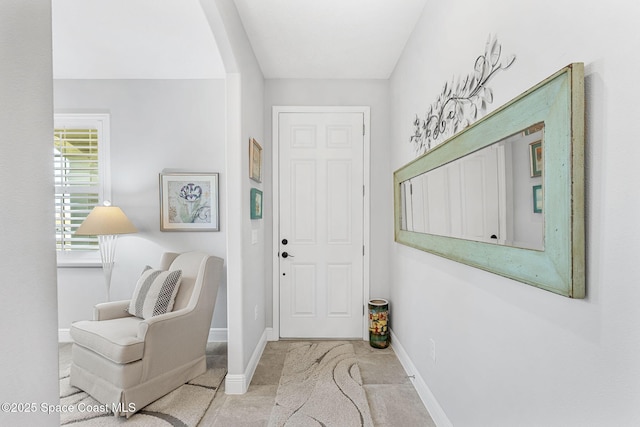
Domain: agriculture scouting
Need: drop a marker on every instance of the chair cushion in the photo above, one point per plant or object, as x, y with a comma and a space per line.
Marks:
155, 292
115, 339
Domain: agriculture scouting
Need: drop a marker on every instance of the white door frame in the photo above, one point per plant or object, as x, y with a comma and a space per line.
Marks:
276, 110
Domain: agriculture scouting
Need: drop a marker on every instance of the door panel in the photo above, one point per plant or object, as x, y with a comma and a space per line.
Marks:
303, 202
339, 201
321, 217
480, 196
303, 298
338, 283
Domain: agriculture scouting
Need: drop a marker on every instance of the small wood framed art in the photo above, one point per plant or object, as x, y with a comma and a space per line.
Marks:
189, 201
535, 158
255, 160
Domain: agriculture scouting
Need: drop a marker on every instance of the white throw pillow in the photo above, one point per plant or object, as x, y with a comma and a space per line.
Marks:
155, 292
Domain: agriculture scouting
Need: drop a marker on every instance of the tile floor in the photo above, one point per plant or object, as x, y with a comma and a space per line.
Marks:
392, 398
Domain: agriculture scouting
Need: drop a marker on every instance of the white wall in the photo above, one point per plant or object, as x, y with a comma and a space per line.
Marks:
28, 315
155, 125
528, 226
372, 93
244, 120
509, 354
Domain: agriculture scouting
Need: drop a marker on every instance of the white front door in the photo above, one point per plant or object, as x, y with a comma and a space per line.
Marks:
321, 207
479, 195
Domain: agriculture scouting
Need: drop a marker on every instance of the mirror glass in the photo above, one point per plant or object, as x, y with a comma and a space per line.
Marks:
492, 195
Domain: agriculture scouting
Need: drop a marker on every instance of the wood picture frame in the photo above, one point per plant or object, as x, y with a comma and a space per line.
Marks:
255, 160
535, 158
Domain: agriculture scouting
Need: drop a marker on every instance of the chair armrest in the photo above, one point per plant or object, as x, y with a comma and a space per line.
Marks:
172, 339
148, 326
111, 310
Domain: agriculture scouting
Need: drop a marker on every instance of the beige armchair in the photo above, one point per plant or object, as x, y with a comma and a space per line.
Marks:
121, 360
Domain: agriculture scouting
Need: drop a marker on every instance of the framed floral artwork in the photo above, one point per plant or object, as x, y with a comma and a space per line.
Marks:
255, 160
189, 201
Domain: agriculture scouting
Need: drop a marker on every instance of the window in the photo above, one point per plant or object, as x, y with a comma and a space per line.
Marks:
80, 163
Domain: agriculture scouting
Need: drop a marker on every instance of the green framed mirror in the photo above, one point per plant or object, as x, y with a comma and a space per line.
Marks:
506, 194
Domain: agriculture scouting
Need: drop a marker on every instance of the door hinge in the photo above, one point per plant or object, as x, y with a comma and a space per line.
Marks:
362, 250
363, 191
363, 130
363, 309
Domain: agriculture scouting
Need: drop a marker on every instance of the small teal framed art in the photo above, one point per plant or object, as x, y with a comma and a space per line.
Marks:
537, 199
256, 204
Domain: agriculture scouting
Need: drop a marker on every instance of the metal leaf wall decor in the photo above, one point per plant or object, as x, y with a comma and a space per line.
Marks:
462, 102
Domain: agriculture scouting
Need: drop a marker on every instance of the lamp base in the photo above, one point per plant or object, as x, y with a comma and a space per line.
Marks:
107, 244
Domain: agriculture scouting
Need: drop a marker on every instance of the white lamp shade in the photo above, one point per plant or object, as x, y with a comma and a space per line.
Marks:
106, 220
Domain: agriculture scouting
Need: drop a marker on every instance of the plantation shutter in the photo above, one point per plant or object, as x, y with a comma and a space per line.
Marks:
78, 189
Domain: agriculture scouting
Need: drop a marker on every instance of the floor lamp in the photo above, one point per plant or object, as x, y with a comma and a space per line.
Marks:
106, 222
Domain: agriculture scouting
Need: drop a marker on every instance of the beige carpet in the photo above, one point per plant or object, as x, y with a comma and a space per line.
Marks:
320, 386
183, 407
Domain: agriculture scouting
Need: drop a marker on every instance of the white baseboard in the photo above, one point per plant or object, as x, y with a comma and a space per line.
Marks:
435, 410
271, 336
239, 383
235, 384
64, 335
215, 335
218, 335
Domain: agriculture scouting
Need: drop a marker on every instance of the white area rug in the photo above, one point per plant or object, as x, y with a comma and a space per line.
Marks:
183, 407
321, 386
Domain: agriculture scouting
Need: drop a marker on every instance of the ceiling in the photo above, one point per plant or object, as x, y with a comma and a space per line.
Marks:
151, 39
328, 38
133, 39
